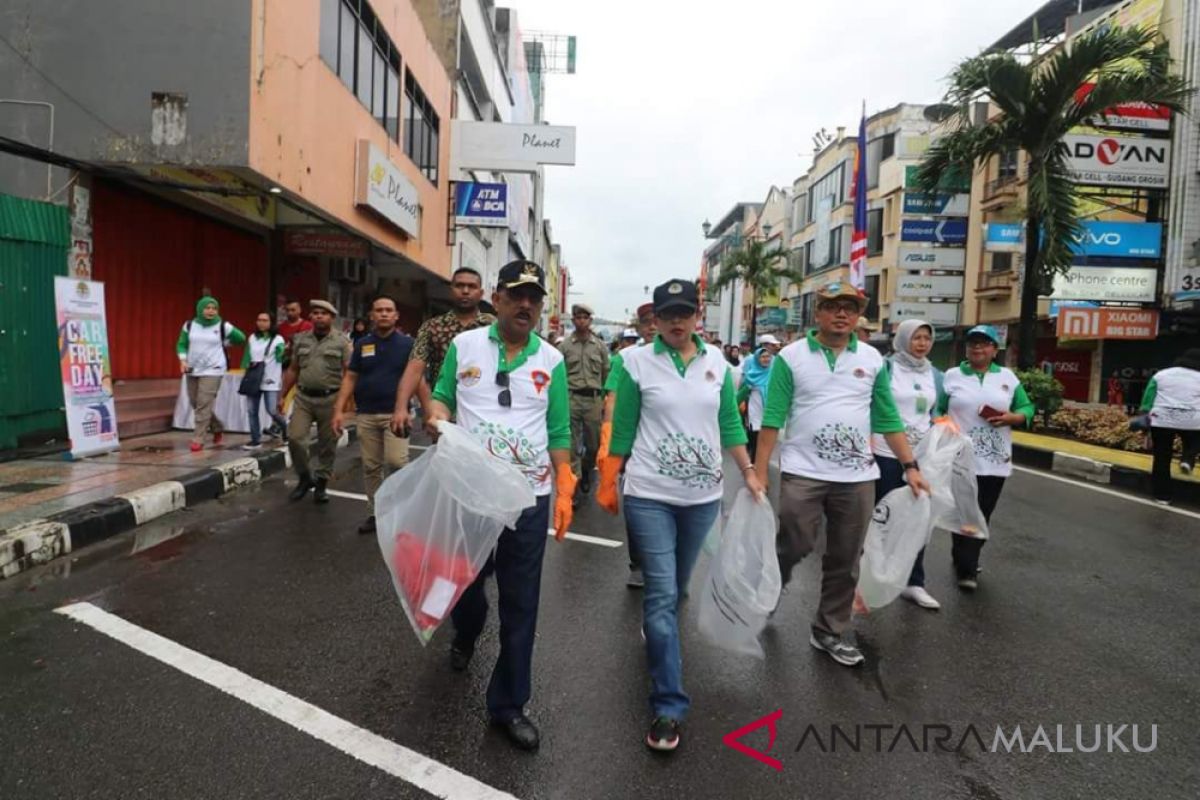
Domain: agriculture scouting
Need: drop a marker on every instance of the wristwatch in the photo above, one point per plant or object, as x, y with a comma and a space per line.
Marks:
911, 465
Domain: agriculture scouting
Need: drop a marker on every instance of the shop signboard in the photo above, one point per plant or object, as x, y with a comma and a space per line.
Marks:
951, 181
1119, 239
916, 257
937, 205
1118, 160
1107, 284
508, 147
382, 187
938, 314
927, 286
1077, 322
1004, 237
1129, 116
85, 366
310, 242
942, 231
484, 205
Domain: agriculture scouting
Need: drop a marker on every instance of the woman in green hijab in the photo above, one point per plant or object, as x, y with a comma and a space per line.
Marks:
202, 358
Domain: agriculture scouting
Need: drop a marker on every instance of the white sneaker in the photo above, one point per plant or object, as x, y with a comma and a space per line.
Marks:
918, 595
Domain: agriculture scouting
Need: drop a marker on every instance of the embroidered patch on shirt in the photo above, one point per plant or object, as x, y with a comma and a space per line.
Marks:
860, 372
368, 350
469, 376
540, 380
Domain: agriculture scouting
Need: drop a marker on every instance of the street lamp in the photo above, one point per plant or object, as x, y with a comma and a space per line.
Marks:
706, 227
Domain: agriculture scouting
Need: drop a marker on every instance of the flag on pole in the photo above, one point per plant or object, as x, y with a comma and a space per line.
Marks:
858, 191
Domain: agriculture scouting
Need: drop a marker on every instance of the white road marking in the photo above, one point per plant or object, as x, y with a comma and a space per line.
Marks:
407, 765
582, 537
579, 537
1140, 500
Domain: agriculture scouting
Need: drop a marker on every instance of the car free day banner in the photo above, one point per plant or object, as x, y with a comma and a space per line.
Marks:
86, 367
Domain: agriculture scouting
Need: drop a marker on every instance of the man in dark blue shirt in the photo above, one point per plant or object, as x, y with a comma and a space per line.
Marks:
376, 366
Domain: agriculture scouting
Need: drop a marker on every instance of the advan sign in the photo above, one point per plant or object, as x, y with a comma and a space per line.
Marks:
1118, 160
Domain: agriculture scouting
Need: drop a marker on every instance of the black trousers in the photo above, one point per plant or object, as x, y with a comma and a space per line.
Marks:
965, 549
1164, 444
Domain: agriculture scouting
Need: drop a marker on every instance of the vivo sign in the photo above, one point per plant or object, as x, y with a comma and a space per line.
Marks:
1120, 239
1118, 160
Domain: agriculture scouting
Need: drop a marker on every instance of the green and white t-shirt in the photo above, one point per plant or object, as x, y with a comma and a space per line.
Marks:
828, 405
1173, 399
268, 350
202, 347
539, 419
916, 396
968, 391
672, 419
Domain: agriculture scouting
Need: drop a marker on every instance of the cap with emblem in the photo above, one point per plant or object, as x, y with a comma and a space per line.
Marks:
842, 291
521, 273
324, 305
580, 308
984, 332
676, 294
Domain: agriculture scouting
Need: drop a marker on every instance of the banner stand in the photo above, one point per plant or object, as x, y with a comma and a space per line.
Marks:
86, 367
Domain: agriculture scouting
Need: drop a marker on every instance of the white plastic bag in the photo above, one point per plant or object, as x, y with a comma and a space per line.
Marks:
743, 581
438, 520
948, 464
900, 527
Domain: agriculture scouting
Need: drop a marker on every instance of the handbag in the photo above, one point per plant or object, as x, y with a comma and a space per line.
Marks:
1140, 423
252, 379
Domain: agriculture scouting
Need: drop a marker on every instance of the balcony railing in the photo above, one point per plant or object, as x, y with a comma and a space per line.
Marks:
1004, 185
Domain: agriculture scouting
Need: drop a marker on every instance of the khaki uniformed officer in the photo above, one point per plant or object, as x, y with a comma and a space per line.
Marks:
586, 357
319, 359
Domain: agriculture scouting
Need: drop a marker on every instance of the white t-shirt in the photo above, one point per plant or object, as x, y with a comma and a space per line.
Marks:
830, 408
264, 350
205, 356
966, 393
916, 398
754, 410
676, 452
1176, 399
538, 418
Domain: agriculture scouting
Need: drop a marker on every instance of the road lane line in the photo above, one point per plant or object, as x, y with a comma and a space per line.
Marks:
579, 537
582, 537
407, 765
1141, 500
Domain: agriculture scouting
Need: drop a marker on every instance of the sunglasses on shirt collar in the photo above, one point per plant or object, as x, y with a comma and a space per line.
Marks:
505, 396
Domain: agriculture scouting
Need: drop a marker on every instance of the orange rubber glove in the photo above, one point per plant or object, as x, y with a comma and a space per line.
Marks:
605, 440
606, 493
564, 489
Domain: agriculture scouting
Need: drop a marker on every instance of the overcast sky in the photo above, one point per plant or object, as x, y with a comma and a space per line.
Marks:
685, 108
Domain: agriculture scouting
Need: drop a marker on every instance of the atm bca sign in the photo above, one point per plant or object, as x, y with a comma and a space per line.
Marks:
1107, 323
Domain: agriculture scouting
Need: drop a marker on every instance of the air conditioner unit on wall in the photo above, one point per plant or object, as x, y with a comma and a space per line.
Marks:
352, 270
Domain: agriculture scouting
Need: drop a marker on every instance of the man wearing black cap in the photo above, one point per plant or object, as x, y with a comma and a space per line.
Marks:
509, 389
587, 369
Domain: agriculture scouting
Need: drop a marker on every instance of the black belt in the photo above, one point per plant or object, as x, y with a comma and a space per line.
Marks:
587, 392
315, 392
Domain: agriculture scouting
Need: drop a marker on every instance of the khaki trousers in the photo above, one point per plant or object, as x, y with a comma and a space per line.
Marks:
305, 411
202, 393
383, 452
846, 508
586, 414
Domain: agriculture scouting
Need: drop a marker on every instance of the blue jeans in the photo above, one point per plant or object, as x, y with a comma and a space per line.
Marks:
517, 564
272, 400
668, 539
891, 476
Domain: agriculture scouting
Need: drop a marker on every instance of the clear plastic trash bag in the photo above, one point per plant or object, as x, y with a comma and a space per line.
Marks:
439, 519
900, 527
948, 463
743, 583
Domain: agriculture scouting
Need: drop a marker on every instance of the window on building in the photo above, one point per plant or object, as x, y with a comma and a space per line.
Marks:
871, 288
421, 129
878, 150
832, 184
809, 266
1002, 262
798, 205
874, 231
1008, 165
355, 46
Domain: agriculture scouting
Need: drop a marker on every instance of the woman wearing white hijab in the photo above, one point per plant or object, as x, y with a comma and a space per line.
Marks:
917, 388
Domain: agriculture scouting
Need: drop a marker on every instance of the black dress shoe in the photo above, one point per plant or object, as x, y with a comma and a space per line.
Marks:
368, 525
301, 488
319, 496
460, 657
585, 485
522, 732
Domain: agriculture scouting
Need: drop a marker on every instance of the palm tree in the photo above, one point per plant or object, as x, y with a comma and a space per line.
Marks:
760, 270
1039, 102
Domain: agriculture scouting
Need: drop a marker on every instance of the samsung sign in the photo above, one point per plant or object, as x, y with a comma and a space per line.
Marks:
1003, 237
1118, 160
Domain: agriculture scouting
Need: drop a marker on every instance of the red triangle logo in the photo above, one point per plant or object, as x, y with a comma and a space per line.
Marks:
731, 739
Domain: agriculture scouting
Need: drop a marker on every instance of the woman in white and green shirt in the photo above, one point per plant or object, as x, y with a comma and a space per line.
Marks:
676, 410
265, 347
202, 358
985, 401
1172, 400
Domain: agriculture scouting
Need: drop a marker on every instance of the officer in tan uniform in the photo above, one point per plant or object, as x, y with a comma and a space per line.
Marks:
586, 357
319, 359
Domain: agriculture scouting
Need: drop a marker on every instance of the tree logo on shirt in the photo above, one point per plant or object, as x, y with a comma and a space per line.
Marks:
988, 444
509, 444
844, 446
469, 376
690, 460
540, 380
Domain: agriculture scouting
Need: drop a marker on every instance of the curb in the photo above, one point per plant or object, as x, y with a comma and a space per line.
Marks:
40, 541
1101, 472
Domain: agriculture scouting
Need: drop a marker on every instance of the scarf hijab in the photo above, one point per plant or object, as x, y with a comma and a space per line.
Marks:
901, 342
200, 304
755, 374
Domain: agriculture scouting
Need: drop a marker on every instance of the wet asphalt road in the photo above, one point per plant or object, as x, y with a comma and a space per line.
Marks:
1086, 615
